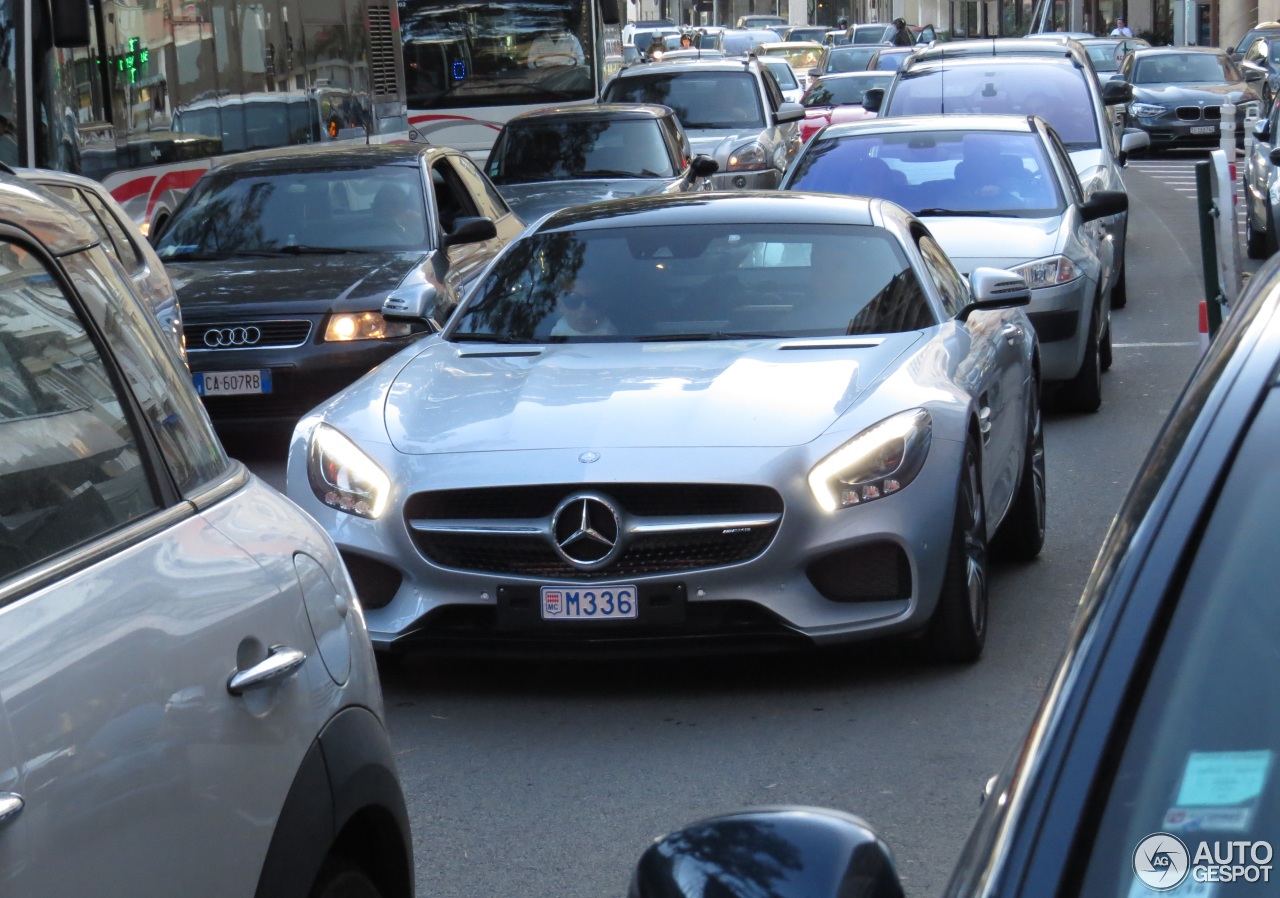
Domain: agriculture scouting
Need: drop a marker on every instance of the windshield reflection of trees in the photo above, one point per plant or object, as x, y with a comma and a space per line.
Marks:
522, 290
742, 858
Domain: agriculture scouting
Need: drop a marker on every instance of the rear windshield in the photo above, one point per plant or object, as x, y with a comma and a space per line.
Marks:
702, 100
1056, 93
849, 59
696, 282
844, 91
555, 151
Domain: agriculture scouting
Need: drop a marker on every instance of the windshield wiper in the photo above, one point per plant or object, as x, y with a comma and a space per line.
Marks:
299, 249
974, 213
615, 173
711, 335
195, 256
476, 337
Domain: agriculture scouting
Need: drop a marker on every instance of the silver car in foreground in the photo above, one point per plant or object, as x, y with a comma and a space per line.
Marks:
188, 698
998, 191
755, 417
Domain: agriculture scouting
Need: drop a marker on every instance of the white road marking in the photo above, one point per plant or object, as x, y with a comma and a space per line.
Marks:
1149, 345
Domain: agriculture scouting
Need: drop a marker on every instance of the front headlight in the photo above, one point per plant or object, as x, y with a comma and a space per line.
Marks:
1145, 110
1048, 272
343, 477
751, 157
363, 326
881, 460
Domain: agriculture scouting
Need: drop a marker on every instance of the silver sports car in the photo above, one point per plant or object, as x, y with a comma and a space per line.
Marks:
753, 418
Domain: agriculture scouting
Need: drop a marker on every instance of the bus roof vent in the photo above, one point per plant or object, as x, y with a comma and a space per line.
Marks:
382, 50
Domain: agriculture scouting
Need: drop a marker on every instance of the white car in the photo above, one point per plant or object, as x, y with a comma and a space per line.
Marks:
746, 418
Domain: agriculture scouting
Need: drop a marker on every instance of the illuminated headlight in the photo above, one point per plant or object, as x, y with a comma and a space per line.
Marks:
363, 326
343, 477
880, 461
751, 157
1145, 110
1048, 272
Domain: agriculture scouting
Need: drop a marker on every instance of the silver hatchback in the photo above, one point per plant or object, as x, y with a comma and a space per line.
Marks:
188, 699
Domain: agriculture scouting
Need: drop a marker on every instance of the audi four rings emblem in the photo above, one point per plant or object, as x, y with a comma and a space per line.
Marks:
586, 530
217, 337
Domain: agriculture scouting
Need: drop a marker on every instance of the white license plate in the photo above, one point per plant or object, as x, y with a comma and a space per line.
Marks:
232, 383
590, 603
1204, 129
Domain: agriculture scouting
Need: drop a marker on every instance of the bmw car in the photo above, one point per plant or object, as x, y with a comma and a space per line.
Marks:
729, 418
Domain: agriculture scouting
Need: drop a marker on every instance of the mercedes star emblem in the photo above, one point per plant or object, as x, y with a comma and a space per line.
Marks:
586, 530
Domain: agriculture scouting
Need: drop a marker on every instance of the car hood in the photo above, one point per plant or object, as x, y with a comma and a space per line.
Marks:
719, 144
533, 200
474, 397
1166, 94
289, 284
994, 242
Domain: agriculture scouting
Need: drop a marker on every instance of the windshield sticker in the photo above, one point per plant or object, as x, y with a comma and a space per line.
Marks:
1184, 820
1220, 778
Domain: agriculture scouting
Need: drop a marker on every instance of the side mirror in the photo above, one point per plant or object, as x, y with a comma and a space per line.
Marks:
1116, 92
1104, 203
788, 112
779, 852
873, 99
1274, 156
1262, 129
1133, 140
415, 302
703, 166
815, 73
1252, 72
993, 288
469, 230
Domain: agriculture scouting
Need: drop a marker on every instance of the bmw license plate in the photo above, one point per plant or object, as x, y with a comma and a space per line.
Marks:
232, 383
592, 603
1203, 129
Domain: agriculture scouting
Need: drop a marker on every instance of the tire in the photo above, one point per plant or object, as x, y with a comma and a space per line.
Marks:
958, 628
1083, 393
1120, 292
343, 879
1269, 241
1104, 350
1255, 243
1021, 533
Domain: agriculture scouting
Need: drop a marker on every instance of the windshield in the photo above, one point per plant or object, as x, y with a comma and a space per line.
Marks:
938, 173
844, 91
784, 74
872, 34
801, 58
1178, 68
1056, 93
887, 61
496, 53
701, 100
696, 282
850, 59
557, 151
359, 209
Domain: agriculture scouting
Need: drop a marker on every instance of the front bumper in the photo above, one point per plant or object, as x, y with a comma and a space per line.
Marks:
768, 179
812, 583
1169, 131
1060, 316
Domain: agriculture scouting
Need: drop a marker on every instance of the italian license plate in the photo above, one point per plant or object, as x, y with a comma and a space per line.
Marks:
593, 603
232, 383
1203, 129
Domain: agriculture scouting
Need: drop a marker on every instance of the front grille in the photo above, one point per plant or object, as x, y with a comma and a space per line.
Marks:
872, 572
1189, 113
533, 554
1212, 113
277, 334
376, 583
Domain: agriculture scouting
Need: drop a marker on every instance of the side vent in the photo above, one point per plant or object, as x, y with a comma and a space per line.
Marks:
382, 51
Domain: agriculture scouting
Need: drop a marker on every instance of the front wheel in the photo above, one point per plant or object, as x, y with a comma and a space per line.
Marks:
343, 879
1021, 533
958, 629
1255, 242
1083, 393
1120, 292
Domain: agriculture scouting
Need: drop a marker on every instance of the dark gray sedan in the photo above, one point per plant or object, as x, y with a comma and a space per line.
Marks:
552, 158
1179, 92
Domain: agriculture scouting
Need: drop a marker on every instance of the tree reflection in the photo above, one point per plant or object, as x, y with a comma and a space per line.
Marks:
727, 858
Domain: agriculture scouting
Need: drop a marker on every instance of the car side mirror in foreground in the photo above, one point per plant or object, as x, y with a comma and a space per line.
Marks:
1133, 140
994, 288
416, 302
469, 230
788, 112
1115, 93
1262, 129
1103, 203
1253, 73
872, 99
703, 166
780, 852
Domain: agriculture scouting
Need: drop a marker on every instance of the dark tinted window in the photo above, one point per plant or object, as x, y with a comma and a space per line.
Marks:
562, 150
698, 282
843, 91
701, 99
70, 465
1175, 68
373, 208
1056, 93
851, 59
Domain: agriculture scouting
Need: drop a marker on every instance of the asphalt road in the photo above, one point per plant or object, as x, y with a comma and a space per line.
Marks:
549, 779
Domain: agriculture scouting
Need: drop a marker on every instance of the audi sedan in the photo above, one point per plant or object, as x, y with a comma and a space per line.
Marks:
738, 418
282, 264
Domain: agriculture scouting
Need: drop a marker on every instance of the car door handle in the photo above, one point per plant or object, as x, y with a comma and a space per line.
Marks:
281, 663
11, 805
1012, 333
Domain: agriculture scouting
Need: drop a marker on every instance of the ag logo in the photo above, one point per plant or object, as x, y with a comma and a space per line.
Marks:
1161, 862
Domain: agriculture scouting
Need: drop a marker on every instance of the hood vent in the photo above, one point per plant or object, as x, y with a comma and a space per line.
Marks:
499, 353
834, 343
